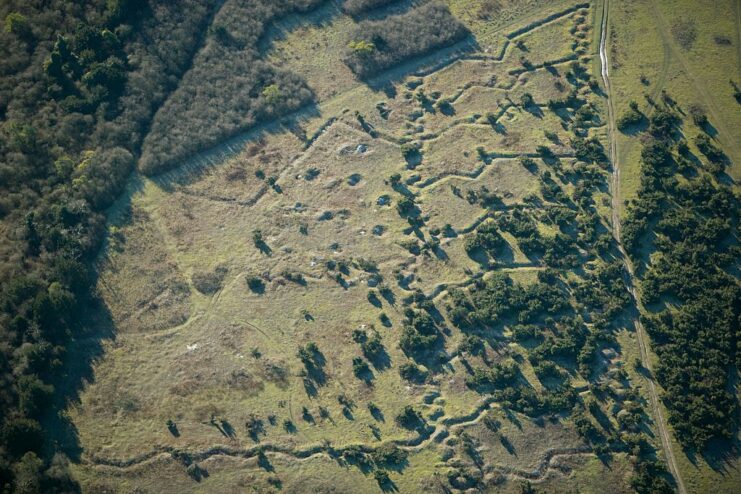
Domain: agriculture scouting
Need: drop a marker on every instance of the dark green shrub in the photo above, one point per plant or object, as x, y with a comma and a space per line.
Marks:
255, 284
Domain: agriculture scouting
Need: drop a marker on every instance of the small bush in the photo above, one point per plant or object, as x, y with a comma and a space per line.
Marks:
209, 282
255, 284
409, 151
412, 372
630, 118
389, 454
360, 367
382, 477
409, 418
486, 238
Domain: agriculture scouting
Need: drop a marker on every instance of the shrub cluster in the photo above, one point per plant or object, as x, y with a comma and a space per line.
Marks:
356, 7
228, 89
558, 250
79, 87
630, 118
419, 334
694, 245
378, 45
487, 303
486, 238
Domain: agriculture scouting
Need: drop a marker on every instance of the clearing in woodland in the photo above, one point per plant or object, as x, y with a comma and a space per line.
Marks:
412, 284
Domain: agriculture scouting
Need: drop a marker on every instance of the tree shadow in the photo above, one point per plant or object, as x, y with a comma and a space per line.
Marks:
366, 375
480, 257
255, 427
553, 70
565, 114
447, 109
317, 375
377, 414
374, 300
388, 295
279, 29
376, 431
383, 11
289, 427
601, 419
636, 128
534, 110
439, 253
264, 462
173, 428
309, 387
402, 189
95, 327
549, 158
428, 107
596, 89
308, 417
385, 321
380, 360
264, 248
440, 57
227, 429
201, 163
512, 417
507, 445
297, 278
721, 455
313, 373
355, 456
197, 472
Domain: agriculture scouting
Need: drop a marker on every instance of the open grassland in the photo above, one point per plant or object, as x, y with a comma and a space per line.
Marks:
271, 295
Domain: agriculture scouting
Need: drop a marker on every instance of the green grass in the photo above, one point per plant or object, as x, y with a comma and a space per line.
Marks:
505, 177
192, 358
698, 75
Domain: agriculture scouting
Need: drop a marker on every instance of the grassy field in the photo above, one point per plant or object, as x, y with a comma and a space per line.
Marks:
689, 50
218, 272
